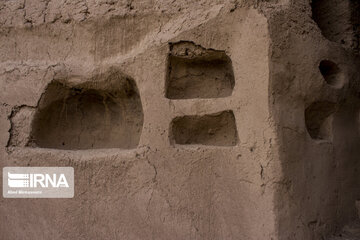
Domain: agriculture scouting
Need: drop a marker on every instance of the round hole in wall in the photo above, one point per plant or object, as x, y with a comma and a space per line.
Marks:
331, 73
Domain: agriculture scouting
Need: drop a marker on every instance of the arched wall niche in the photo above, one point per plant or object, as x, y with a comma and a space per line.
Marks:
104, 112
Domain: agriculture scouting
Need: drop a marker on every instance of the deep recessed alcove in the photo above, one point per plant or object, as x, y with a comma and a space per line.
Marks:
331, 73
318, 120
105, 112
339, 21
196, 72
218, 129
334, 19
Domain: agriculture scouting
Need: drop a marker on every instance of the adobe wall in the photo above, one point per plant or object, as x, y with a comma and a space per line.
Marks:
315, 104
183, 120
162, 109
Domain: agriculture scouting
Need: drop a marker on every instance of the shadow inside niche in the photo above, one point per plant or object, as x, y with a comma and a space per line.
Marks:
106, 114
339, 21
217, 129
331, 73
196, 72
318, 120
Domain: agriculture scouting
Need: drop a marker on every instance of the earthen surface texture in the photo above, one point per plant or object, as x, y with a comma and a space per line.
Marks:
183, 119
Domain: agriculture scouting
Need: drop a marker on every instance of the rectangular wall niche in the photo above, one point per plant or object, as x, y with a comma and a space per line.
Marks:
217, 129
196, 72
